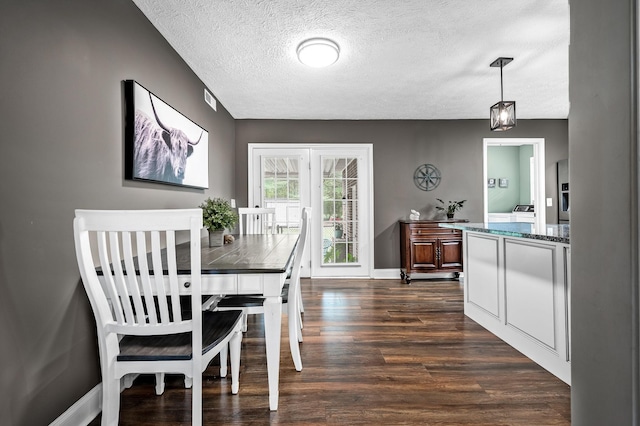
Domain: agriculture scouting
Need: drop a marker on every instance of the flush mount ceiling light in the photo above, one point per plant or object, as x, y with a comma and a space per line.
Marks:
318, 52
502, 114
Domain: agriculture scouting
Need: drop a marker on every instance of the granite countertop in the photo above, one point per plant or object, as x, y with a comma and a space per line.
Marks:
554, 233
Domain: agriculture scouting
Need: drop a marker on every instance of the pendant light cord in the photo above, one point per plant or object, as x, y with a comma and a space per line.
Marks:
501, 96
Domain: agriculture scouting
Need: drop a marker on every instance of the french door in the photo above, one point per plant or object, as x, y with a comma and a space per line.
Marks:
336, 181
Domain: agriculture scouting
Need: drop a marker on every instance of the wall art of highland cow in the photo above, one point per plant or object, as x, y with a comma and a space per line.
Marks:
161, 144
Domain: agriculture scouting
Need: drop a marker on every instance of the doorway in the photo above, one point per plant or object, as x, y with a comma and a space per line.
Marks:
335, 180
533, 177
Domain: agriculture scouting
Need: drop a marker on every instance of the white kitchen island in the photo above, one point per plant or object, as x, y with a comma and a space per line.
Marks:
517, 282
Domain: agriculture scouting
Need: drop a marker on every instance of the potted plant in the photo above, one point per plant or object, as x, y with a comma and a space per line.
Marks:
218, 215
338, 230
451, 208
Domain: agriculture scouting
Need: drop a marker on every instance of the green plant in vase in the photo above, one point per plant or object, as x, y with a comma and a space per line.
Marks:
451, 208
218, 215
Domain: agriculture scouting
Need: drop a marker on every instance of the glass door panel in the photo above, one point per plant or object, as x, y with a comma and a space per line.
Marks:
340, 214
281, 190
343, 245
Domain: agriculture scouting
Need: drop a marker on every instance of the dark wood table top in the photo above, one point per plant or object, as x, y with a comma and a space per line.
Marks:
247, 254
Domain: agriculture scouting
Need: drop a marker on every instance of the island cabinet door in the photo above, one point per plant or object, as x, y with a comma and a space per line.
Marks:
450, 253
424, 253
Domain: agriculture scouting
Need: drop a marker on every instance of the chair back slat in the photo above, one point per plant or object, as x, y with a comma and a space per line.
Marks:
256, 220
158, 278
174, 289
105, 264
132, 281
118, 274
144, 278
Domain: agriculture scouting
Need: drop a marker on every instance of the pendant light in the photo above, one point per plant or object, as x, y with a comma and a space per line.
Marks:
502, 114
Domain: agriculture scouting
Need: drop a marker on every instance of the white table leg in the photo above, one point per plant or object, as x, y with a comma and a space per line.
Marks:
272, 331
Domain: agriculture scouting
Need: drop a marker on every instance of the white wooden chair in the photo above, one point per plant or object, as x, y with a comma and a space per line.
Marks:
290, 296
256, 220
143, 324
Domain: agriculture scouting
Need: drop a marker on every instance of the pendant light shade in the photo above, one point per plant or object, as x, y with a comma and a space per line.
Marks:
502, 115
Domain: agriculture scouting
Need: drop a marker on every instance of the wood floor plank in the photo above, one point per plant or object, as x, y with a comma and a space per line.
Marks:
375, 352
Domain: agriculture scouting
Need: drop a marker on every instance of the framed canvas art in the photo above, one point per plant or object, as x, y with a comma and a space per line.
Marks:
161, 144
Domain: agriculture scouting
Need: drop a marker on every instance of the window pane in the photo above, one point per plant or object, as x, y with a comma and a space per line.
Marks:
340, 216
280, 190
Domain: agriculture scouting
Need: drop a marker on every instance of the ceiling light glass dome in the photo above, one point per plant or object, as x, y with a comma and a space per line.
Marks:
318, 52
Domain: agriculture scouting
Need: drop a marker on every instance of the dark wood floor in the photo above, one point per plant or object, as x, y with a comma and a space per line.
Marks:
374, 352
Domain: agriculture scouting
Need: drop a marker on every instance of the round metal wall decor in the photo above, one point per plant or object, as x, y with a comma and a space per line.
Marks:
427, 177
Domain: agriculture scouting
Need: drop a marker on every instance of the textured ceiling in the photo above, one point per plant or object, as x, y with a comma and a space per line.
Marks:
399, 59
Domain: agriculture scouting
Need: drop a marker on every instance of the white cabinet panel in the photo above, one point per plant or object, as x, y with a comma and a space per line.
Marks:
519, 289
482, 272
250, 283
219, 284
529, 288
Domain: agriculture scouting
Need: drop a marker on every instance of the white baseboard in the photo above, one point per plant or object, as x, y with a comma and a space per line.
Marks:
83, 411
89, 406
386, 274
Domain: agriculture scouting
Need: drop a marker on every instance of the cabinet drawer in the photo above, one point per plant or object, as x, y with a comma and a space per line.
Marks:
430, 231
421, 231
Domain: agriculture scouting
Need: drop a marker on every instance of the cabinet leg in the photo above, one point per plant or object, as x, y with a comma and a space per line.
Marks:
407, 279
402, 275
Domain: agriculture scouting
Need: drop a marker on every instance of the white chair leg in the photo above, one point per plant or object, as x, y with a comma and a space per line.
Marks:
196, 400
299, 331
300, 326
128, 380
110, 401
159, 383
234, 346
293, 341
244, 322
300, 305
223, 360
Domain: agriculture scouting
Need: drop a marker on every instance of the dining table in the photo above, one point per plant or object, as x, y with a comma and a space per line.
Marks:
251, 264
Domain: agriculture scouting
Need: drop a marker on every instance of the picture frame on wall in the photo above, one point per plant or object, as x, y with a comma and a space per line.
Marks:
503, 183
491, 183
161, 144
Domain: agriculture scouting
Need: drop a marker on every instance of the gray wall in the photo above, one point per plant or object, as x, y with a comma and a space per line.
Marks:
62, 65
399, 147
503, 162
603, 152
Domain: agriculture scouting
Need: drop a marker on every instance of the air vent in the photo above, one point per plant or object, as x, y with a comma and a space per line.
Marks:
208, 98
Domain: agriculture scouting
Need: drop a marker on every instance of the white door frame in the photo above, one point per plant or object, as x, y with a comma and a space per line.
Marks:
367, 247
539, 174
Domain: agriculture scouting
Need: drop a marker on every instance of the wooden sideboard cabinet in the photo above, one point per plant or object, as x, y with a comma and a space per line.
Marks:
427, 248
